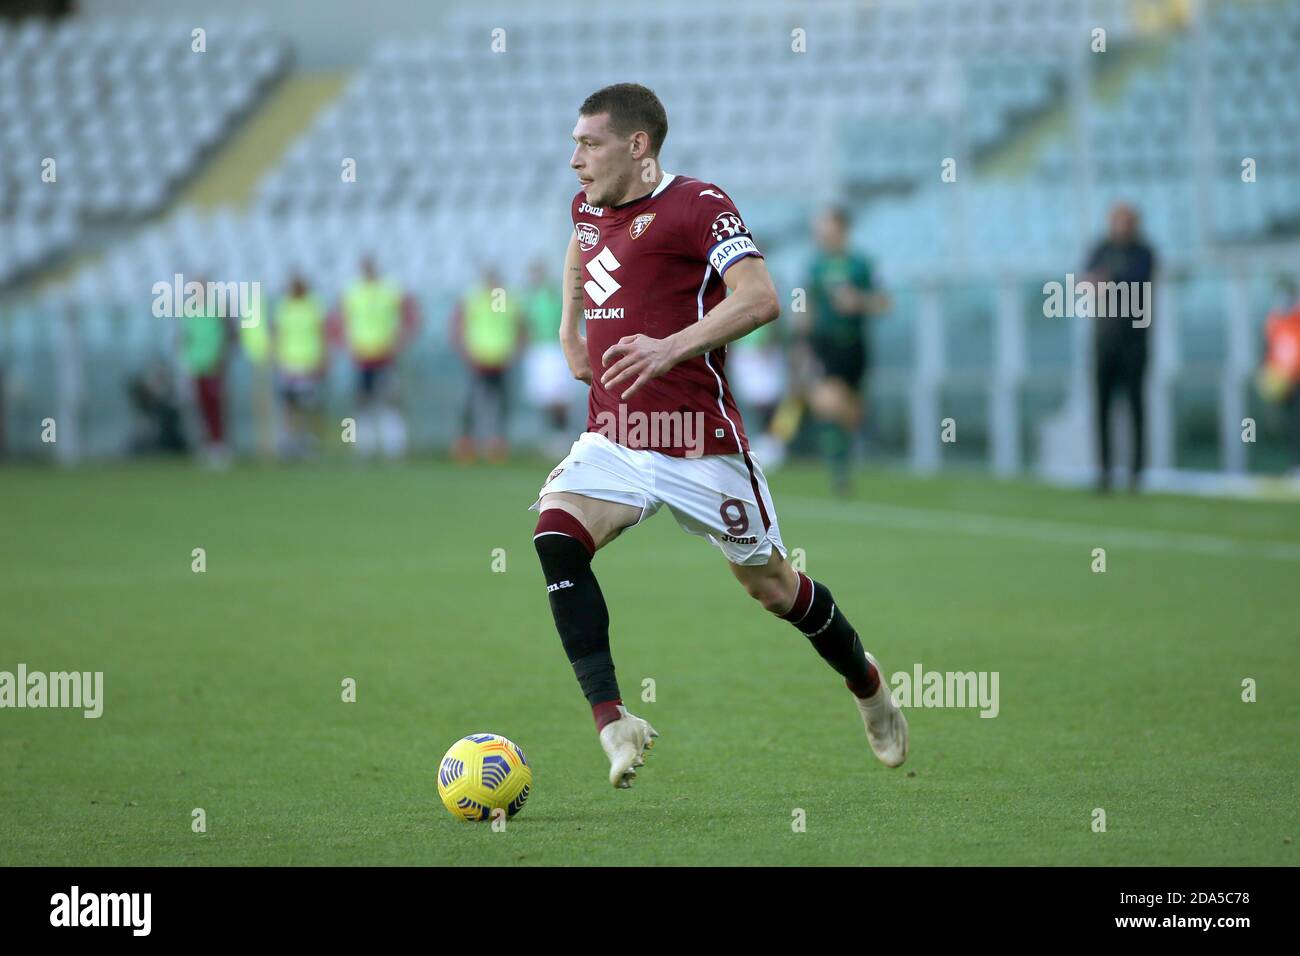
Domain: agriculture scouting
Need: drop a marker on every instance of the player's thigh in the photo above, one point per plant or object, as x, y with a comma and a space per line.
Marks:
604, 520
605, 486
725, 499
831, 397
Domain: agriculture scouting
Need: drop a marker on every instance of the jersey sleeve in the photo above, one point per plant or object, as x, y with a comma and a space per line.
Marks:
717, 233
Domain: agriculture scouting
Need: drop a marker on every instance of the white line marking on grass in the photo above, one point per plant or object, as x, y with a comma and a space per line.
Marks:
1035, 529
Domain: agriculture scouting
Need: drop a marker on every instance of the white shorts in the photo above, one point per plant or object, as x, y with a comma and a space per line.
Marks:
547, 379
720, 497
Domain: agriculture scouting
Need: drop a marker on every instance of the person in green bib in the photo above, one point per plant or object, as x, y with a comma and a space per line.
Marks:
298, 348
548, 383
255, 340
488, 331
377, 320
205, 341
842, 297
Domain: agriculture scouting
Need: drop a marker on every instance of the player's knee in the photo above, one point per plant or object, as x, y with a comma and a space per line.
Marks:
770, 591
556, 534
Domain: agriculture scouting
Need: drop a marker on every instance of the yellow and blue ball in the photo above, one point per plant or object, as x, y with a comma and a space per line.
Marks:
482, 773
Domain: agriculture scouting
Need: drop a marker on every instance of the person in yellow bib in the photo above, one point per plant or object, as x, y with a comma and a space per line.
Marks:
255, 340
298, 346
488, 332
376, 320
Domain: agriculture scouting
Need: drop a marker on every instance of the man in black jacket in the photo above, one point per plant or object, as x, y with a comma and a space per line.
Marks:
1122, 265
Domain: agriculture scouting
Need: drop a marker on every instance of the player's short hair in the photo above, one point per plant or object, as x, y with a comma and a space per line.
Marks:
632, 108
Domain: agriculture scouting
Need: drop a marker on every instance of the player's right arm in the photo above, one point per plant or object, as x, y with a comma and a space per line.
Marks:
571, 337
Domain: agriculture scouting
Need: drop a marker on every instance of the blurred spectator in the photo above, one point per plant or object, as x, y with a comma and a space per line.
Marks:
488, 332
842, 296
1120, 347
206, 339
377, 321
158, 426
549, 384
757, 366
1279, 379
299, 347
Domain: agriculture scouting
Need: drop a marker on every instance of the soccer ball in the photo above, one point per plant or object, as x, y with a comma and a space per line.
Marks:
482, 773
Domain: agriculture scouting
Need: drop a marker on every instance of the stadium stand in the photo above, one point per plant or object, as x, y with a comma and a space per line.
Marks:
461, 154
120, 113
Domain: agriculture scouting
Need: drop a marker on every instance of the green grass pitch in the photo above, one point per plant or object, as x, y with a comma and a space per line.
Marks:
1118, 690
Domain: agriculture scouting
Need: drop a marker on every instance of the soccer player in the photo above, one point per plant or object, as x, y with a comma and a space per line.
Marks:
547, 382
205, 343
299, 348
843, 296
1279, 375
488, 331
648, 268
377, 320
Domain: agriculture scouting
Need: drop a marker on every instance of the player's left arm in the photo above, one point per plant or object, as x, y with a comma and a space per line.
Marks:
752, 303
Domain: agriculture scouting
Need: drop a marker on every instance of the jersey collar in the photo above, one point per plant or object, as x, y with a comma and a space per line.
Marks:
668, 178
663, 184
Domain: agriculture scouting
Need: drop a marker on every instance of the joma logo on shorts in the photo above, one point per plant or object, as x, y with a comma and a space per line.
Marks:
557, 585
734, 540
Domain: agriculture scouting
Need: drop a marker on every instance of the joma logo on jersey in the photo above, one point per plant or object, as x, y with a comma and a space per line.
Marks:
590, 314
594, 210
588, 236
640, 224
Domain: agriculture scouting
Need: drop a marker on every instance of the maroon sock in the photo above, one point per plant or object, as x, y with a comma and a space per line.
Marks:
865, 688
606, 712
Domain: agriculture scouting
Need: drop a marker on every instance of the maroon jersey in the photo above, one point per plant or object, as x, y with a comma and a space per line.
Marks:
653, 266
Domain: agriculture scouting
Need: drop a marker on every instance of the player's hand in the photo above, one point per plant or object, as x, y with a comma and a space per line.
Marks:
848, 300
637, 359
